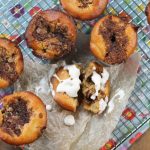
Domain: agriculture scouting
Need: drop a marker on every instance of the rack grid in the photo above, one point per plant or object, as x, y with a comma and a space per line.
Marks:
14, 26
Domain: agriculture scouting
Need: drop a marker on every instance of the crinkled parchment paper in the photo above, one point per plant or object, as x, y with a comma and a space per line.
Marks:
90, 131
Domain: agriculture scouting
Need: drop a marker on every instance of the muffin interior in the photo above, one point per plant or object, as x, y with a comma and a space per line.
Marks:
95, 88
88, 86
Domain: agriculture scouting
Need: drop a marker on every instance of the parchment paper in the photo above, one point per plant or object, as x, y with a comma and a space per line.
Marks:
90, 131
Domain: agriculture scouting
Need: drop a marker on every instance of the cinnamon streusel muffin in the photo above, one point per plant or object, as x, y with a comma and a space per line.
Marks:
51, 34
22, 118
113, 39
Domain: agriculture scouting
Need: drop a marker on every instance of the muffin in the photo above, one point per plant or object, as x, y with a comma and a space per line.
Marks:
95, 88
11, 62
113, 39
51, 34
84, 9
147, 12
65, 85
22, 118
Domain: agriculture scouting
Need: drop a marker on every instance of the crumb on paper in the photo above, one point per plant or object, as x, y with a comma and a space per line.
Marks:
43, 87
71, 85
69, 120
49, 107
119, 95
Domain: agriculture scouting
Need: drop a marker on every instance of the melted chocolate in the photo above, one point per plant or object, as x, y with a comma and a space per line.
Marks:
54, 30
16, 115
116, 41
85, 3
7, 66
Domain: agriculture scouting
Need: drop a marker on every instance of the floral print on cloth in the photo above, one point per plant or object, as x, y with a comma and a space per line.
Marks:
17, 11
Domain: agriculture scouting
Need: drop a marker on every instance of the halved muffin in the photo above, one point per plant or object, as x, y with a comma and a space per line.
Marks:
95, 88
22, 118
11, 62
65, 85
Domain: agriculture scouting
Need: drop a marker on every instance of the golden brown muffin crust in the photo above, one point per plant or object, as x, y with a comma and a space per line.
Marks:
84, 9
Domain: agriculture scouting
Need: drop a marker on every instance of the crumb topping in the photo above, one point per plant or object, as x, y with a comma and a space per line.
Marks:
116, 41
15, 116
7, 66
84, 3
55, 32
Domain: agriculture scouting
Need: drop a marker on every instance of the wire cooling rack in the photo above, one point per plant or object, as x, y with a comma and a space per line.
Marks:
15, 16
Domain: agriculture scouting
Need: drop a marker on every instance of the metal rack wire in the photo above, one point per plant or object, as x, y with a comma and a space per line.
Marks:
140, 99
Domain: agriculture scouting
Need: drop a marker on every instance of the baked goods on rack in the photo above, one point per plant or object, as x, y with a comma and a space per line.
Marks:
65, 85
113, 39
22, 118
11, 62
95, 88
51, 34
84, 9
147, 12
